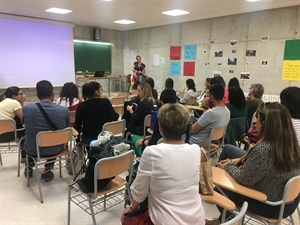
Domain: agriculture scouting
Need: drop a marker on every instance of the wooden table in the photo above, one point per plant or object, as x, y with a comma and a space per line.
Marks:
222, 179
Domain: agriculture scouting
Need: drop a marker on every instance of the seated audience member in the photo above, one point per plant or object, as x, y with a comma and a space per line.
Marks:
35, 122
11, 103
237, 102
167, 96
205, 90
138, 112
69, 96
169, 83
92, 114
216, 117
290, 98
172, 190
191, 91
254, 100
234, 82
150, 81
270, 163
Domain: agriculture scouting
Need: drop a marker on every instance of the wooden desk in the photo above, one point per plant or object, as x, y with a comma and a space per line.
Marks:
75, 132
222, 179
108, 79
194, 107
150, 131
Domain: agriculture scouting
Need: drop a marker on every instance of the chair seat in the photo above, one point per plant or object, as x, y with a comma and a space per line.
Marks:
219, 200
113, 185
269, 220
62, 153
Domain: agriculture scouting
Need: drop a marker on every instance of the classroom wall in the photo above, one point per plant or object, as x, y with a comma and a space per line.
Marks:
278, 24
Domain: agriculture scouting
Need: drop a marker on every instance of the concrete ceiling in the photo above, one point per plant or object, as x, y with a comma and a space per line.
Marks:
146, 13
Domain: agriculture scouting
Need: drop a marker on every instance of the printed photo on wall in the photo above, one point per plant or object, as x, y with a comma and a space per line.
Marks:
211, 42
206, 64
217, 73
219, 53
233, 51
219, 64
265, 38
245, 75
231, 71
232, 61
250, 52
234, 42
264, 62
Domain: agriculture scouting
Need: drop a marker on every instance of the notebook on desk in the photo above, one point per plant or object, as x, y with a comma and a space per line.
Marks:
99, 73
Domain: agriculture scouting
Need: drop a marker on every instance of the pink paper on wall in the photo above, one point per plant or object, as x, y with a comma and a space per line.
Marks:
189, 69
175, 52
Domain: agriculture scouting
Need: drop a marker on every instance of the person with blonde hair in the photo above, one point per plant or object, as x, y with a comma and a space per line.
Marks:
168, 173
273, 160
135, 122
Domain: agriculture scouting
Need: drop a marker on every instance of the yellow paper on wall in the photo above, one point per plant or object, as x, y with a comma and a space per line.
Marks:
291, 70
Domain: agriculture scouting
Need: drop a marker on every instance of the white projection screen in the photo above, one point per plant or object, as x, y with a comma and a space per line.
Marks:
31, 51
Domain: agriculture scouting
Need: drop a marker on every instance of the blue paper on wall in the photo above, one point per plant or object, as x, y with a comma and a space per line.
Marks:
190, 52
175, 68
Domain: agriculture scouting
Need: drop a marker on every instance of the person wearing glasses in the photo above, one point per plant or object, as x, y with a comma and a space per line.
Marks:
11, 108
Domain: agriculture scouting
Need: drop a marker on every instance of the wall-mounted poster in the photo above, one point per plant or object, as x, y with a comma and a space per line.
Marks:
232, 61
189, 69
175, 52
245, 75
190, 52
175, 68
291, 63
251, 53
219, 53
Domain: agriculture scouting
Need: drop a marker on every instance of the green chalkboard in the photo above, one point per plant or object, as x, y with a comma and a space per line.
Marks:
292, 50
92, 57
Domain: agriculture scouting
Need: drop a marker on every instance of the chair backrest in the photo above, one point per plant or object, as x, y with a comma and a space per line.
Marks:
291, 189
239, 218
72, 116
235, 128
147, 123
191, 101
117, 100
134, 92
53, 138
116, 127
118, 109
215, 135
7, 125
125, 95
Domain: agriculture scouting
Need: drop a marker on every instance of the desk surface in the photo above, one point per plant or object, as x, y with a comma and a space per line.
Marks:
194, 107
222, 179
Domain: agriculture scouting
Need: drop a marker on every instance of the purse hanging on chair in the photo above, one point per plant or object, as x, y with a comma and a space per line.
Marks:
206, 186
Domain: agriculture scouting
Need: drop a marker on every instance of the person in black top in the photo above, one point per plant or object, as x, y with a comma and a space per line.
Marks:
138, 69
138, 112
167, 96
92, 114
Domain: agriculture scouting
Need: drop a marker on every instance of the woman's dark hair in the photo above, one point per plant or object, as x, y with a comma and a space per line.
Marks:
169, 83
84, 90
138, 56
236, 97
233, 82
69, 92
44, 89
150, 81
215, 80
191, 84
10, 92
91, 88
290, 98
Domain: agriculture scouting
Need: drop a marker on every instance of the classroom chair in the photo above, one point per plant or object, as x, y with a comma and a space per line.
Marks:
116, 127
239, 218
216, 140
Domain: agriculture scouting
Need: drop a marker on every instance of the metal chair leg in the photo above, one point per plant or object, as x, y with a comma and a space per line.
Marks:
1, 159
92, 211
69, 205
38, 179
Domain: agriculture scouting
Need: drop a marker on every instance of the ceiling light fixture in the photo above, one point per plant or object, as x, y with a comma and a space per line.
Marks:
175, 12
124, 21
92, 42
252, 0
58, 10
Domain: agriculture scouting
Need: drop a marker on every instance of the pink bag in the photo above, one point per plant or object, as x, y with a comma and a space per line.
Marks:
137, 218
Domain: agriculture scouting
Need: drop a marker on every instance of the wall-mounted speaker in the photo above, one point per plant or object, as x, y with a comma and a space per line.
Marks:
96, 33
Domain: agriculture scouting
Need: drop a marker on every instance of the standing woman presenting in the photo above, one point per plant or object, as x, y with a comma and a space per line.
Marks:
138, 70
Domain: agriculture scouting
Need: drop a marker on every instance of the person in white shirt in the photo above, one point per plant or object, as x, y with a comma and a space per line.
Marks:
191, 91
168, 173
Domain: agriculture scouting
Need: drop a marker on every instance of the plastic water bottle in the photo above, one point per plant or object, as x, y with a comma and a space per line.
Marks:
153, 117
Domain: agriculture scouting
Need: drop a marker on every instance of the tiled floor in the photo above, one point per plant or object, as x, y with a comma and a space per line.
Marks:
19, 204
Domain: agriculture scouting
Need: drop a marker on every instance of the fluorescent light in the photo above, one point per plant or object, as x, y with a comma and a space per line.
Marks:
107, 0
124, 21
175, 12
58, 10
92, 42
252, 0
